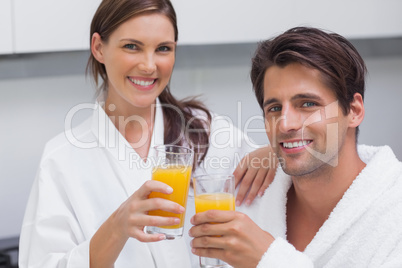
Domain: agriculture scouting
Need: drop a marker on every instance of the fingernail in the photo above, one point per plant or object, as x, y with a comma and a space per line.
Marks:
238, 203
162, 237
193, 250
248, 202
260, 194
169, 190
182, 209
176, 221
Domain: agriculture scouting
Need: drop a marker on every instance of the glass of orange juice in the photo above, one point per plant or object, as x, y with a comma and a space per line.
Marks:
213, 192
172, 165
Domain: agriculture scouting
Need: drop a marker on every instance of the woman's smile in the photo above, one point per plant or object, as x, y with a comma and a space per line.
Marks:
143, 84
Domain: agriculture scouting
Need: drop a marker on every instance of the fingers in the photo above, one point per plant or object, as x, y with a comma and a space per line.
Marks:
144, 237
208, 252
207, 230
161, 204
256, 186
269, 177
207, 246
152, 186
240, 170
245, 185
216, 216
161, 221
255, 172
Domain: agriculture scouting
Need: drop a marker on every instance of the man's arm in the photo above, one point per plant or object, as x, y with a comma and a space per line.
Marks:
236, 239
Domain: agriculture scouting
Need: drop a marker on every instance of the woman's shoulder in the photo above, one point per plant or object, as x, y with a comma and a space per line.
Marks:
69, 140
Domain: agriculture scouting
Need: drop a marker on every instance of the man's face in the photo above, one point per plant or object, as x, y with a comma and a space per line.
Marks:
303, 121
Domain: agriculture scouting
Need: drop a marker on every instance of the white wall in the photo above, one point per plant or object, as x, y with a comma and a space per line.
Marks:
36, 92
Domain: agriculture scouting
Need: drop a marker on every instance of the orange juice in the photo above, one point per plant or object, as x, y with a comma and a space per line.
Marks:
219, 201
177, 177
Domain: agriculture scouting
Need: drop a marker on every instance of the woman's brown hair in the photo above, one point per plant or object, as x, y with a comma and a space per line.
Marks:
181, 126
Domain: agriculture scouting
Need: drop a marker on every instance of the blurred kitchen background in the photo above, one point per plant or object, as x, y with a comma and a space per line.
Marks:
44, 51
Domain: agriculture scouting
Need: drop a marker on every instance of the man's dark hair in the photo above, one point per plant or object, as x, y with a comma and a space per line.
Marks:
341, 67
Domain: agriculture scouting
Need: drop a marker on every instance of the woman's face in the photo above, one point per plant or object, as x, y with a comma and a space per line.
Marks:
139, 58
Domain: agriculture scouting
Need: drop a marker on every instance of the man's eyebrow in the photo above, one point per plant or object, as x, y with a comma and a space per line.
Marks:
269, 101
306, 96
295, 97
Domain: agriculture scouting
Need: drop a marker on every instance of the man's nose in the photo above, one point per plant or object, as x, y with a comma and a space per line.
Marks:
291, 119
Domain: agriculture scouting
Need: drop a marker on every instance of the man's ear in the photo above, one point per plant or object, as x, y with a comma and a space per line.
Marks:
96, 47
356, 113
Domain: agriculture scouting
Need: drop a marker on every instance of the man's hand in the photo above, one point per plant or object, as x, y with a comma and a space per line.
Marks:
233, 237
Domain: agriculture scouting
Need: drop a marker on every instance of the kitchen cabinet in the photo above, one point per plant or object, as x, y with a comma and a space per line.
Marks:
61, 25
231, 21
52, 25
6, 39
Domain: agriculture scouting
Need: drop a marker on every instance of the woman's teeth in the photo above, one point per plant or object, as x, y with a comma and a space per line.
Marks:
142, 82
295, 144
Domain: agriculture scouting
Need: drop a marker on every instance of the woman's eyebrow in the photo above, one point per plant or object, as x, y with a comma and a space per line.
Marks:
132, 41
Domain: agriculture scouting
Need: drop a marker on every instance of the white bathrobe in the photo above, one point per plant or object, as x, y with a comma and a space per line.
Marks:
86, 174
363, 230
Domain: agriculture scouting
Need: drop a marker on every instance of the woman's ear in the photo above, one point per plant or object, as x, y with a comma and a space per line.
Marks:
96, 47
356, 113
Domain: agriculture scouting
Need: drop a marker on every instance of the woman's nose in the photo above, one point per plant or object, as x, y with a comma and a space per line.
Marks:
148, 65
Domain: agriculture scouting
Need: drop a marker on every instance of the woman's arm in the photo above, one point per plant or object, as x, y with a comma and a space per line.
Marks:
51, 236
129, 220
254, 174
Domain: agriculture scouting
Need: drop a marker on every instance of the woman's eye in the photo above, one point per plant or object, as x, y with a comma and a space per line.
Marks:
308, 104
164, 49
131, 46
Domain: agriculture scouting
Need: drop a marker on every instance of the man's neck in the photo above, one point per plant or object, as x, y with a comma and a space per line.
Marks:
318, 194
312, 198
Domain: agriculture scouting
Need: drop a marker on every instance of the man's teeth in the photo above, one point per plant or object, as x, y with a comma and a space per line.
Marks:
295, 144
142, 82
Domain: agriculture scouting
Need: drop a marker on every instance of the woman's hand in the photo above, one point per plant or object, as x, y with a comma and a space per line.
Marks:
255, 173
132, 216
233, 238
129, 220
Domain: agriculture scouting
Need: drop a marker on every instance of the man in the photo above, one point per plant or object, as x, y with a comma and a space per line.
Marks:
332, 203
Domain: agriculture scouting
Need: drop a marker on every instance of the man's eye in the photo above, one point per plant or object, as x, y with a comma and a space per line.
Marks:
308, 104
274, 109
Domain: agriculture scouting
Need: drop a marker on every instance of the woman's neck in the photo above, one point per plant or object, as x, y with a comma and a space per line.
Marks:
134, 123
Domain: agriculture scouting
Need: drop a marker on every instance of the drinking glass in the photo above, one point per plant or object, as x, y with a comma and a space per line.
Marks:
214, 191
172, 165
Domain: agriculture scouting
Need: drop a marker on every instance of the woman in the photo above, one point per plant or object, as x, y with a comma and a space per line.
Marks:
88, 206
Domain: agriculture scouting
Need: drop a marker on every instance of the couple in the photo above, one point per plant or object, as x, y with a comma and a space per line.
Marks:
331, 204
